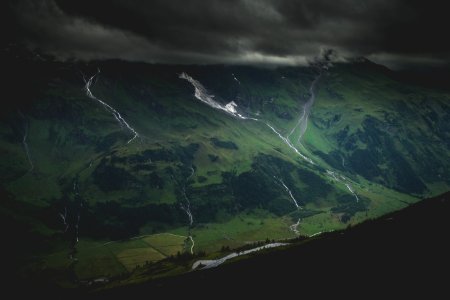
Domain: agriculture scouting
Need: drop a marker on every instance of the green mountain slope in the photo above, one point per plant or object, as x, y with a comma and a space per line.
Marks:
106, 171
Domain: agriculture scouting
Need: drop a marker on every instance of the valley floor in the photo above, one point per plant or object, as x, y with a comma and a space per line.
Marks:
402, 252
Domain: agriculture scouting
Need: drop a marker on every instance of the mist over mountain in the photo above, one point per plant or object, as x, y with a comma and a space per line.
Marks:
395, 33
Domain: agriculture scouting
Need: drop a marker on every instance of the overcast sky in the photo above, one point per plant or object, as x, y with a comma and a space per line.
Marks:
282, 32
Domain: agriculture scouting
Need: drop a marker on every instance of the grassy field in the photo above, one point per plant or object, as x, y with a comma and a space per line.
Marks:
107, 259
241, 230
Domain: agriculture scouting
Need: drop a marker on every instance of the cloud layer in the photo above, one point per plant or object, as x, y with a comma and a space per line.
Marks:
281, 32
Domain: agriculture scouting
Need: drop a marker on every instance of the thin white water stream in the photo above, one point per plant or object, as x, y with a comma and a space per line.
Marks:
108, 107
342, 179
186, 207
294, 227
64, 219
25, 141
77, 195
302, 123
234, 77
289, 192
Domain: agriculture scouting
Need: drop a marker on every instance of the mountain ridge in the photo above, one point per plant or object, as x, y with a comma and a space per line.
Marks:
218, 176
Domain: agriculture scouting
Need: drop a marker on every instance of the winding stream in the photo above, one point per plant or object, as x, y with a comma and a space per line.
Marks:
64, 219
342, 179
77, 197
25, 142
109, 108
289, 192
234, 77
208, 264
302, 123
294, 227
186, 207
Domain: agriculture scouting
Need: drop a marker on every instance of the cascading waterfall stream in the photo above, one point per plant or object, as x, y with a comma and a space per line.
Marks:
289, 192
25, 142
289, 144
109, 108
73, 222
235, 79
186, 207
77, 197
64, 219
342, 179
302, 123
293, 227
192, 243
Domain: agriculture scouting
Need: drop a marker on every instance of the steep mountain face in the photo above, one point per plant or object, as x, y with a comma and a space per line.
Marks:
111, 165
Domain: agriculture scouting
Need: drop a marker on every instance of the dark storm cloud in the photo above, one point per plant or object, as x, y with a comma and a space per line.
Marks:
236, 31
